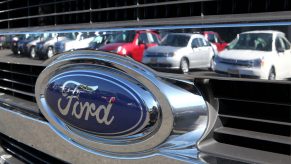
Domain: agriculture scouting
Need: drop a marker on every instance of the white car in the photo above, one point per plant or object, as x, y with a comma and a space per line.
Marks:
180, 51
256, 54
82, 41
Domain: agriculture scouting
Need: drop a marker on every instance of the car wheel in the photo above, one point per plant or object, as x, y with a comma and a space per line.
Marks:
272, 75
50, 52
32, 53
184, 66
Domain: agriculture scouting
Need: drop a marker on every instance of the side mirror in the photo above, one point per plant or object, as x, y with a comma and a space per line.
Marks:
280, 50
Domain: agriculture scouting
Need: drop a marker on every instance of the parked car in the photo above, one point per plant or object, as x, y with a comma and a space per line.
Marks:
27, 45
180, 51
100, 40
256, 54
81, 41
14, 42
132, 43
215, 39
45, 49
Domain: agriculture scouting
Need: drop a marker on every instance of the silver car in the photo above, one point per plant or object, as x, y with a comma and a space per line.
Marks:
180, 51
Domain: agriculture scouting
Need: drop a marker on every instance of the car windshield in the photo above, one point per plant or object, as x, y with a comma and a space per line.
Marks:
124, 37
253, 41
176, 40
33, 37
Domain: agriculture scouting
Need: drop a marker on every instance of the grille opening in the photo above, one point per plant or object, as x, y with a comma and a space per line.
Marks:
25, 97
253, 143
209, 8
255, 110
225, 6
19, 80
258, 6
242, 90
264, 127
25, 153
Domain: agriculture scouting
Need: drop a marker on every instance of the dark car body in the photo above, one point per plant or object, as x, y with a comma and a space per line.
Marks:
25, 46
45, 49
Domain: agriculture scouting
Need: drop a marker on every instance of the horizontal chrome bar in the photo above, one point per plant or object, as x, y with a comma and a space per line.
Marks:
39, 135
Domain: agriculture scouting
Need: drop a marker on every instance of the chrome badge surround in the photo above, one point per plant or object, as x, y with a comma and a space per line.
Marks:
182, 115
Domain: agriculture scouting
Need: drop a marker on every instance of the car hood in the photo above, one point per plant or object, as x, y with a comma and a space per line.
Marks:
111, 46
65, 41
243, 54
24, 41
164, 49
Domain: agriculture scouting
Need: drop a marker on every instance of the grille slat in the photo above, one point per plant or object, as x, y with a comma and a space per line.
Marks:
254, 119
255, 135
17, 91
13, 81
252, 114
19, 80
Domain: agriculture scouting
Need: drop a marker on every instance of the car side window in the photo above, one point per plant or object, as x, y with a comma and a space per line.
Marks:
153, 38
286, 44
212, 38
143, 38
195, 43
279, 44
202, 42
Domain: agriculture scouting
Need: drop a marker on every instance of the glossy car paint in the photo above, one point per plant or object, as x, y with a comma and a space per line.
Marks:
215, 39
133, 49
170, 57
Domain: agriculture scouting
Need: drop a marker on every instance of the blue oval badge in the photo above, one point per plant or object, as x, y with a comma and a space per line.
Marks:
97, 103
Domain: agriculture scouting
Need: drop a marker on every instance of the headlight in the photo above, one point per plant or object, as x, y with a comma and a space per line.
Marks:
15, 39
171, 54
258, 62
121, 50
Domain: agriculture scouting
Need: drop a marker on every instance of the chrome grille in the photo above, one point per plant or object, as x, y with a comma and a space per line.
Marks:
252, 117
29, 13
19, 80
237, 62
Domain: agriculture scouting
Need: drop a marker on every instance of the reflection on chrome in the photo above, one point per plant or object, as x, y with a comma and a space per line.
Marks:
165, 117
212, 52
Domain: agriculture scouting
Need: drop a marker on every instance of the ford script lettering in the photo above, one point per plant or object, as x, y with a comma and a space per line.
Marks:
87, 108
96, 104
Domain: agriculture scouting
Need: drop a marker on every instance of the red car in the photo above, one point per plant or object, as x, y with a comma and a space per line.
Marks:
214, 38
132, 43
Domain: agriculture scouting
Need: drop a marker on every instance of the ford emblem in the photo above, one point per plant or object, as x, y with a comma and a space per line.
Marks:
106, 103
97, 103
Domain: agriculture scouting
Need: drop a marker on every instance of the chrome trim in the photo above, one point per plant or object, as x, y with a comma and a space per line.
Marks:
42, 136
182, 121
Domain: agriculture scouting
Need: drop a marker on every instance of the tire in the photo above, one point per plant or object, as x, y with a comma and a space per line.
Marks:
272, 74
32, 53
184, 65
50, 52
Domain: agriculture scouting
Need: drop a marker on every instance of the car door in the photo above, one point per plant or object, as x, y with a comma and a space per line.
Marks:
142, 44
211, 37
287, 58
196, 57
282, 58
206, 51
